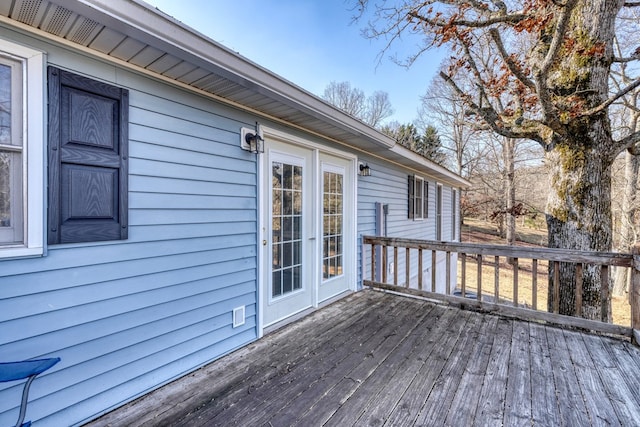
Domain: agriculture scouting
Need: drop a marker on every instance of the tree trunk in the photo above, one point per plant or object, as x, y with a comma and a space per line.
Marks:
510, 189
579, 217
579, 205
627, 226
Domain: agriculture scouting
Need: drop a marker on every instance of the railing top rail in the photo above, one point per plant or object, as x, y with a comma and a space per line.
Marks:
562, 255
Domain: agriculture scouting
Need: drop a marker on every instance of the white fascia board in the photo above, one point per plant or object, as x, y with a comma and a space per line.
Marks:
149, 25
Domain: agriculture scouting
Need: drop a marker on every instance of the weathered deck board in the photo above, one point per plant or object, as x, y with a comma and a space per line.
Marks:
600, 410
494, 388
403, 361
467, 396
568, 390
298, 373
517, 406
381, 359
544, 404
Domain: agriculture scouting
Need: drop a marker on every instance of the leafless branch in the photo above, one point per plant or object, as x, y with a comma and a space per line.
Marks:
513, 67
612, 99
629, 141
490, 116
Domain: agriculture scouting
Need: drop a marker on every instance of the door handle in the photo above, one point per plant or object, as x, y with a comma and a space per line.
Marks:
264, 243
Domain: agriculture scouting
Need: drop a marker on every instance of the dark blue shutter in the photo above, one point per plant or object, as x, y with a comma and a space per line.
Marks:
88, 139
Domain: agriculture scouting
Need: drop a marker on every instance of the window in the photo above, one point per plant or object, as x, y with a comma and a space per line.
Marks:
418, 197
21, 150
88, 140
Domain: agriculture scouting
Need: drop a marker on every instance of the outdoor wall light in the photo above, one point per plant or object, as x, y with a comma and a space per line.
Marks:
252, 140
364, 169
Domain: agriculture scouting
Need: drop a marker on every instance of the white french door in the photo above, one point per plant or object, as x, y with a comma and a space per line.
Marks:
290, 241
308, 243
336, 183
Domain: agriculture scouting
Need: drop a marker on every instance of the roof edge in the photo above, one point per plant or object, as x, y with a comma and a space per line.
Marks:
139, 19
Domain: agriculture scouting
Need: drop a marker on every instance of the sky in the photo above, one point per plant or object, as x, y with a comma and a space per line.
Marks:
311, 43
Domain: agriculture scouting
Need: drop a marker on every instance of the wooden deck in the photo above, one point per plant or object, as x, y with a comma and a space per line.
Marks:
381, 359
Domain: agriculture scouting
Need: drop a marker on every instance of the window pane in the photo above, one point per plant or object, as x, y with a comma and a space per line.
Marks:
5, 189
5, 104
11, 158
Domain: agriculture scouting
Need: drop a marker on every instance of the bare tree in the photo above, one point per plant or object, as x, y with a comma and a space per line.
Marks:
626, 120
378, 108
554, 65
371, 110
443, 108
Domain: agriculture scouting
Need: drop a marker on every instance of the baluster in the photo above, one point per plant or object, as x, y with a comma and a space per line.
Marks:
407, 267
420, 268
534, 284
496, 280
634, 292
463, 281
448, 273
579, 290
604, 293
433, 271
395, 266
384, 264
373, 262
479, 277
515, 282
556, 287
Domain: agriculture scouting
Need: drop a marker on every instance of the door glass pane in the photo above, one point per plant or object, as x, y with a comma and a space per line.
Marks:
332, 233
287, 228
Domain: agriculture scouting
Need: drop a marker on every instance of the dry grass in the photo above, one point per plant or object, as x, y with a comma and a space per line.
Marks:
479, 232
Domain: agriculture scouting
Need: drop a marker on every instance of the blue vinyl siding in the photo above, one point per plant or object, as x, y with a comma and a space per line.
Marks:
388, 185
128, 316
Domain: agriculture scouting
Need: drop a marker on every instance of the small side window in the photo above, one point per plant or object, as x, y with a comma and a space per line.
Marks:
418, 197
21, 151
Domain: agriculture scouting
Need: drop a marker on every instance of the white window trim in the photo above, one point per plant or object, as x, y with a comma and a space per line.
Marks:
33, 149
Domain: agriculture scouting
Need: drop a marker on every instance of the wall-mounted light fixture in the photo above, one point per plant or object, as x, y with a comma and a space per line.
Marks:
364, 169
252, 140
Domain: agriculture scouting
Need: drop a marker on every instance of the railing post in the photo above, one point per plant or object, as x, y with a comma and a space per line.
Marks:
634, 295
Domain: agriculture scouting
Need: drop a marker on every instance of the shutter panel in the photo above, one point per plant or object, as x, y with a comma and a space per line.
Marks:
425, 200
411, 196
88, 138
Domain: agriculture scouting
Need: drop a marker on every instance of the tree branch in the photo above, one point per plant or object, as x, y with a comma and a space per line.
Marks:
612, 99
495, 19
513, 67
629, 142
491, 117
632, 3
628, 59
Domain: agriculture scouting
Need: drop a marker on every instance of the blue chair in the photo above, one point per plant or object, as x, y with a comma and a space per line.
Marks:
30, 369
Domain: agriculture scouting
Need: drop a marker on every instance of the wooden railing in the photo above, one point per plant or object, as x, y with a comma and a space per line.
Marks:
423, 254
